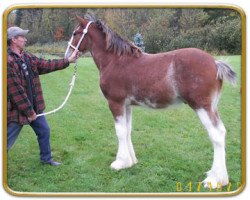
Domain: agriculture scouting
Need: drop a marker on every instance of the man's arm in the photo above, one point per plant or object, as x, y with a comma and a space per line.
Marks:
50, 65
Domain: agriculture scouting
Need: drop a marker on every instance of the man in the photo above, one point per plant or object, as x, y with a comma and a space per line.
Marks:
24, 93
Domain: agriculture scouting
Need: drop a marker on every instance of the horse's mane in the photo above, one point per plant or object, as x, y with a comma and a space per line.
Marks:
114, 42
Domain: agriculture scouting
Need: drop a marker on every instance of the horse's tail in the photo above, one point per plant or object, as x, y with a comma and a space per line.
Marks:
224, 71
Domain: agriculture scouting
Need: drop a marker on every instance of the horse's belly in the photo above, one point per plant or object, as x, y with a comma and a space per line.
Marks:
153, 103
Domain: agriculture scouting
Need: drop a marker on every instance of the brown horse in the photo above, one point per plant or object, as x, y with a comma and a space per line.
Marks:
131, 77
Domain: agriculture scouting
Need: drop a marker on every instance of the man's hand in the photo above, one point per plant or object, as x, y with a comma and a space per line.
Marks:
74, 56
32, 118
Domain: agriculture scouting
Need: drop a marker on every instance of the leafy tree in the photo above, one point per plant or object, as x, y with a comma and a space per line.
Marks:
192, 18
31, 20
18, 19
226, 35
167, 29
11, 19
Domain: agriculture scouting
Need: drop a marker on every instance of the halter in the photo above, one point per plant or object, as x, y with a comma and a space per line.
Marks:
72, 83
84, 32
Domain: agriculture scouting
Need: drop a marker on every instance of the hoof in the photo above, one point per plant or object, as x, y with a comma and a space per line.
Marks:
120, 164
215, 181
135, 161
211, 182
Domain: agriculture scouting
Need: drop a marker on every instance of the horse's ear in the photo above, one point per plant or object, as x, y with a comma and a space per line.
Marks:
79, 19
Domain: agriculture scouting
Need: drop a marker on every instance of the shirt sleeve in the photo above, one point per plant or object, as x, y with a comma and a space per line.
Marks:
50, 65
17, 93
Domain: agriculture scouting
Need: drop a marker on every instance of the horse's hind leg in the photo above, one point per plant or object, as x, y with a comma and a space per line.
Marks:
217, 176
123, 158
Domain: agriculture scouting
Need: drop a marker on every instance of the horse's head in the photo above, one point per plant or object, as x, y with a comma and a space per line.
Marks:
79, 39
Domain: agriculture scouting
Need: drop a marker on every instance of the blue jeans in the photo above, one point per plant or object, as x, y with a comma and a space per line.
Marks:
42, 130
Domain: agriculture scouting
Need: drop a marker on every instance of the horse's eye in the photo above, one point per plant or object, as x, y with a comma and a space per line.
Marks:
74, 34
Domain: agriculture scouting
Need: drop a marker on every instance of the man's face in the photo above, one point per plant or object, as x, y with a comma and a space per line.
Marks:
19, 41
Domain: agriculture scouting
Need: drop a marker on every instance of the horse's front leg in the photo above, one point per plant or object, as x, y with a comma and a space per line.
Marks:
123, 158
129, 129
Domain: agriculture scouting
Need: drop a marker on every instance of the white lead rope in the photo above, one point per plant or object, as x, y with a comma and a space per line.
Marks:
72, 83
84, 32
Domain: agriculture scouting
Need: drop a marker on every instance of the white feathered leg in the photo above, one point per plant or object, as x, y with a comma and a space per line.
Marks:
129, 130
217, 176
123, 158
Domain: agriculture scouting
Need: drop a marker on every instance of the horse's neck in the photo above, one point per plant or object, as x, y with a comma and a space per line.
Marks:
101, 57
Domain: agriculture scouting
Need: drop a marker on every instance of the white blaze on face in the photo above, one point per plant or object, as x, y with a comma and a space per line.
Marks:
69, 49
68, 53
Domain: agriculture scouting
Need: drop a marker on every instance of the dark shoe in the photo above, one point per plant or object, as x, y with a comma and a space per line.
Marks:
51, 162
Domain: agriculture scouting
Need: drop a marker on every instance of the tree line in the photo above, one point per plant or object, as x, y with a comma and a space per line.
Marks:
215, 30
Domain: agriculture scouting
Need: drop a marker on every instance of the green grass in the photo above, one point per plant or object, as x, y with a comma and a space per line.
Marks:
171, 145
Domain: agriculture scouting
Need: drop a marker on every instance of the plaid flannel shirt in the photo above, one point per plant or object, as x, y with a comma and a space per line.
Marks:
19, 108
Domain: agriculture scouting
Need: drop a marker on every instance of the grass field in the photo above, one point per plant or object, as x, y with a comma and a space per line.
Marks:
171, 145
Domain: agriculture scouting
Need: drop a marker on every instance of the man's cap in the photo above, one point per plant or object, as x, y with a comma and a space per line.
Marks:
16, 31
